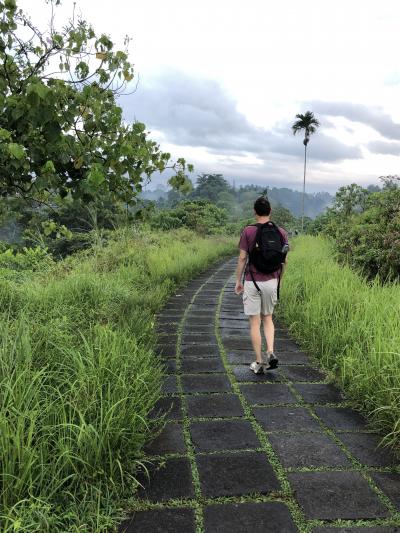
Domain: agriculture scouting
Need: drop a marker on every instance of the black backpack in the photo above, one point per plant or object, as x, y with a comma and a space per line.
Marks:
268, 253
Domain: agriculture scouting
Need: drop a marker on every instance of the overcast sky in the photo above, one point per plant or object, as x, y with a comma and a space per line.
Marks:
221, 83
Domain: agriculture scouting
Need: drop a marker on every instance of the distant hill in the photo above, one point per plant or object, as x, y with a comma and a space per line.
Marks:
156, 194
240, 199
314, 203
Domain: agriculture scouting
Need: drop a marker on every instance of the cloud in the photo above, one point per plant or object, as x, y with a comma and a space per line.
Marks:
198, 113
384, 147
322, 148
194, 112
371, 116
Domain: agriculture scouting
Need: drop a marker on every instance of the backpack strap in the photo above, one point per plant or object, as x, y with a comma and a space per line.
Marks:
248, 254
254, 281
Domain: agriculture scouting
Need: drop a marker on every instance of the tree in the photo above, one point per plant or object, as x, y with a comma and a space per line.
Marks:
209, 186
390, 182
283, 218
309, 124
61, 131
350, 199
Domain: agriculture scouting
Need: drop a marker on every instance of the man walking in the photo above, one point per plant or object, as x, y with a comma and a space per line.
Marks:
263, 248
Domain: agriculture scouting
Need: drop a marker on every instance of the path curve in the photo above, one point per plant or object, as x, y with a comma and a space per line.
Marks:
242, 453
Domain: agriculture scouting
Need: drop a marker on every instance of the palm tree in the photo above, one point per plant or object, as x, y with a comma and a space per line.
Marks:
309, 124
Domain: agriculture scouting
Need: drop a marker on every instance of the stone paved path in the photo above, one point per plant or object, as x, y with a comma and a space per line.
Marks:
242, 453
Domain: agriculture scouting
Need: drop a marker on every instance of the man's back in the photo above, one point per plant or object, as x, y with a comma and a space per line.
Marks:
247, 242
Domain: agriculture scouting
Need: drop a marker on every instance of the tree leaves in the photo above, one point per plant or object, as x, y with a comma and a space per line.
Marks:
65, 135
96, 175
37, 88
4, 134
181, 183
48, 168
16, 151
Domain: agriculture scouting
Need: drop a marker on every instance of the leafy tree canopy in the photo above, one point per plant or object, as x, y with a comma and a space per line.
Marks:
211, 185
350, 199
61, 131
305, 122
365, 227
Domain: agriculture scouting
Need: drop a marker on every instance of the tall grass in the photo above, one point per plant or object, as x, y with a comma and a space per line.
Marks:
78, 377
351, 325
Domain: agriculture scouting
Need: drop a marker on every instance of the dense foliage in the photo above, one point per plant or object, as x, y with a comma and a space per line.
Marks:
206, 218
365, 226
61, 131
201, 216
238, 201
64, 228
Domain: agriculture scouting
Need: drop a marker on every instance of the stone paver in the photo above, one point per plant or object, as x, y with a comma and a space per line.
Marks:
170, 440
318, 393
167, 480
230, 433
166, 350
341, 418
199, 329
214, 405
267, 393
334, 495
234, 324
377, 529
307, 449
199, 351
170, 366
285, 419
302, 373
205, 383
240, 358
170, 407
236, 474
223, 435
161, 521
198, 366
168, 338
364, 447
389, 483
249, 518
170, 385
198, 338
197, 319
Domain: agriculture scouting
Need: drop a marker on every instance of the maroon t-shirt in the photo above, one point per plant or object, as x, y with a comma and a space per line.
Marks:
246, 243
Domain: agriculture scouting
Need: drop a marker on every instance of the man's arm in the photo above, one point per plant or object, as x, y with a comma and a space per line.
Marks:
241, 264
286, 245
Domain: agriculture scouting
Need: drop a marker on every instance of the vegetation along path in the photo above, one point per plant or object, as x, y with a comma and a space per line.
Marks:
241, 453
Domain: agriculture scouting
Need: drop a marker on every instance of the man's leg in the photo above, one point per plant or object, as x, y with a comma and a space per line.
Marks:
269, 332
255, 334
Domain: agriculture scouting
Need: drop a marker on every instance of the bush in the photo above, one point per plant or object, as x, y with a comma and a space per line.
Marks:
200, 216
365, 227
31, 259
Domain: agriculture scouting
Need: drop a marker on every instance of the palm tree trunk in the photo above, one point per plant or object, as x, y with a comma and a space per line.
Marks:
304, 189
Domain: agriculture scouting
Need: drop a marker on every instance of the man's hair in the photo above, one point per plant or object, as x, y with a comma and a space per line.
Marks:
262, 207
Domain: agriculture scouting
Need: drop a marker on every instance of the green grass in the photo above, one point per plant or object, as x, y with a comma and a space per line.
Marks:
352, 327
78, 377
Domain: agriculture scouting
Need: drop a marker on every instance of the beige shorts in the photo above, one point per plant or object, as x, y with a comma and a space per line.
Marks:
263, 303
